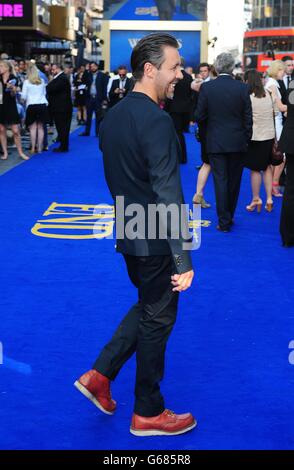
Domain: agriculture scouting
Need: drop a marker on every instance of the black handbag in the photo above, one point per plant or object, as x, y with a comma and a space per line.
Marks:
277, 156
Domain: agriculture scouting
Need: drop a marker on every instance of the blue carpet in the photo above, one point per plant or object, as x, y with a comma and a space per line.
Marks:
141, 10
227, 359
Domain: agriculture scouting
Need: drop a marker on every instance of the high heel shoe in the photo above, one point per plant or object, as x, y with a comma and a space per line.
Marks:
269, 206
199, 199
24, 157
275, 190
256, 203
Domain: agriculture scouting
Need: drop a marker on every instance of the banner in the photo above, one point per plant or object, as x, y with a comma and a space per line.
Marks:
123, 42
165, 10
16, 13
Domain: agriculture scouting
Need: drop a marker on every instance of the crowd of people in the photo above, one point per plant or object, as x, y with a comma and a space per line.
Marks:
239, 119
36, 97
243, 120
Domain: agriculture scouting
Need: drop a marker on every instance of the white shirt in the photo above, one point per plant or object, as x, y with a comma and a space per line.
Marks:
285, 79
122, 83
34, 94
93, 90
57, 75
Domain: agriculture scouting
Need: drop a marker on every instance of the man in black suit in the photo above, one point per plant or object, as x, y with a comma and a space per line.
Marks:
289, 76
142, 172
226, 106
180, 108
120, 87
184, 6
96, 97
60, 105
165, 9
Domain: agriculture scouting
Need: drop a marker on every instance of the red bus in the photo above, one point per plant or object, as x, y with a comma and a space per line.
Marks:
261, 46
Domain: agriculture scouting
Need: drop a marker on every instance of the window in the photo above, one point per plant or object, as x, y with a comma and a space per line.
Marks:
279, 43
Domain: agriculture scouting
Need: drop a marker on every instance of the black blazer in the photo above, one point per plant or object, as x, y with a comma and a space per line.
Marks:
226, 106
286, 142
141, 154
284, 90
59, 94
101, 85
182, 100
114, 97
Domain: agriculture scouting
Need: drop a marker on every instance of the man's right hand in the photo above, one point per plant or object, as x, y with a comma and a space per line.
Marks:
182, 282
196, 84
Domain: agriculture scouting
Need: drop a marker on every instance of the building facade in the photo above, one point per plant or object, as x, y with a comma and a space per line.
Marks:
272, 33
37, 27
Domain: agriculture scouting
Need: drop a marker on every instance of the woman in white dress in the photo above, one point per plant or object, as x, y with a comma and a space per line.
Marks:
276, 71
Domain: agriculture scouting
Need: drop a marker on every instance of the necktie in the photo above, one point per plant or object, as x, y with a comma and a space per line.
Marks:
288, 81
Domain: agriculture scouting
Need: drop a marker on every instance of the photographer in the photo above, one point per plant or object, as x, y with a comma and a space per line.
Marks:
120, 87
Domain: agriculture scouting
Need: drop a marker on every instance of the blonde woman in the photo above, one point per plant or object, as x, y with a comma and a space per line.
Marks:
34, 94
8, 109
276, 71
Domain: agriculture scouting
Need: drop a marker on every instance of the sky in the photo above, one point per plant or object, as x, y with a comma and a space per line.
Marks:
226, 22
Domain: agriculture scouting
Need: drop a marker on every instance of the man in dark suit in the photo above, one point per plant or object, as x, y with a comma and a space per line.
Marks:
289, 76
225, 104
120, 87
60, 105
180, 108
184, 6
142, 172
96, 97
166, 9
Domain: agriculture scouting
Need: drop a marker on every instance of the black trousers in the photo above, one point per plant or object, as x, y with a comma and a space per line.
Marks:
227, 169
181, 123
93, 106
165, 14
287, 213
184, 6
62, 122
144, 330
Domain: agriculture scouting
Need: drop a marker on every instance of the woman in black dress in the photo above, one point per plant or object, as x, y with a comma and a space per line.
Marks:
80, 95
287, 146
8, 109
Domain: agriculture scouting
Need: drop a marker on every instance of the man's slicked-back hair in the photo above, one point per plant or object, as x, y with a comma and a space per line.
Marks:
150, 49
58, 65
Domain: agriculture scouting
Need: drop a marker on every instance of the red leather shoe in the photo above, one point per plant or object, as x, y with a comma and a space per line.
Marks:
165, 424
96, 387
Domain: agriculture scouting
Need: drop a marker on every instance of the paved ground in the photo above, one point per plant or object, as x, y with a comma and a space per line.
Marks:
13, 158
